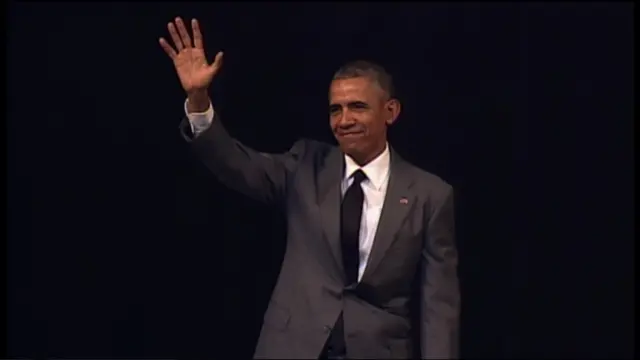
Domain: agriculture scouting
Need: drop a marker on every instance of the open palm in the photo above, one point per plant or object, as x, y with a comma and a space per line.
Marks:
190, 61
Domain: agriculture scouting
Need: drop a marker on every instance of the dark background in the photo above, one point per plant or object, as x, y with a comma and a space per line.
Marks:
121, 245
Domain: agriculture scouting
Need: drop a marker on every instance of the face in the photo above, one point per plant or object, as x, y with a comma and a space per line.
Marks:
360, 112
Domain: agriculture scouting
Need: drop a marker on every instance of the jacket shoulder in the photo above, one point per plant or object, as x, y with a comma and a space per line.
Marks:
313, 150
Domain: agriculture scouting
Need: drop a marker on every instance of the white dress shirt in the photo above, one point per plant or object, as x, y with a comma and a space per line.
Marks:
374, 186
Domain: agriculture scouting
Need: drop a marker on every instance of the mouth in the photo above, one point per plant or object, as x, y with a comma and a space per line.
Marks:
353, 134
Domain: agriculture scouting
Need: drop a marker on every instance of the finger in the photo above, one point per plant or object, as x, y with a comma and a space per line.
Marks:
167, 48
174, 36
218, 59
197, 35
182, 30
217, 63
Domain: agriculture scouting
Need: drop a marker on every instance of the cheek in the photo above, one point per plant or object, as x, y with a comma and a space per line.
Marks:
374, 126
332, 122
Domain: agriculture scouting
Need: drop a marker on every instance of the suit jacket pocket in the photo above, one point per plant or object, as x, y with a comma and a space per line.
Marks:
399, 348
276, 317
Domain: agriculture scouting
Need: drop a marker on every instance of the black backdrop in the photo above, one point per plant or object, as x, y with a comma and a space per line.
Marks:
121, 245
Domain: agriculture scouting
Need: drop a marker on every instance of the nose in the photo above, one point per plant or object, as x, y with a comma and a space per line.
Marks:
345, 120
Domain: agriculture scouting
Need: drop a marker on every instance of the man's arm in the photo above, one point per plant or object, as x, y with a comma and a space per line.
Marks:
440, 302
260, 176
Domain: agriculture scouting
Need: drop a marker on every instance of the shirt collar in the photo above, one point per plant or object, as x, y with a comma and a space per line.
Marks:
376, 170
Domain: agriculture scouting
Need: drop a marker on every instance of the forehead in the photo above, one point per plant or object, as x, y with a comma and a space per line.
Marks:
352, 89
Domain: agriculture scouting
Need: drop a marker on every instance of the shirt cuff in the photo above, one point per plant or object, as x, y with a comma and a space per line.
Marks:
199, 121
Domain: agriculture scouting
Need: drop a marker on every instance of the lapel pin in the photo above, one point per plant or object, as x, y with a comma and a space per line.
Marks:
404, 201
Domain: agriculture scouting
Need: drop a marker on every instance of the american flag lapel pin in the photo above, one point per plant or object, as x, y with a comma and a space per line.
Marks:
404, 201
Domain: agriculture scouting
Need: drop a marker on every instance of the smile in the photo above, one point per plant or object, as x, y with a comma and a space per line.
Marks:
352, 134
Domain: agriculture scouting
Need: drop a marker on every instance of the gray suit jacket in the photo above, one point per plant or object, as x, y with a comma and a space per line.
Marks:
413, 250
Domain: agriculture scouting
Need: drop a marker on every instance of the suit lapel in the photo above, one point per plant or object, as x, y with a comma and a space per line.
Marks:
329, 197
397, 204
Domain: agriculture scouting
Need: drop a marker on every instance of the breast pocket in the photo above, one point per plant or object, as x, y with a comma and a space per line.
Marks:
277, 317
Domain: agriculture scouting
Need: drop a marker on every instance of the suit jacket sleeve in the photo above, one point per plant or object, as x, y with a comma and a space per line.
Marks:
260, 176
440, 295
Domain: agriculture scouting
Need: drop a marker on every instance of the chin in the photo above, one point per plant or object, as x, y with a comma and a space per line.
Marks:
351, 149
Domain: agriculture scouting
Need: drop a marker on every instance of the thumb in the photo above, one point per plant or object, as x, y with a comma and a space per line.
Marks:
217, 64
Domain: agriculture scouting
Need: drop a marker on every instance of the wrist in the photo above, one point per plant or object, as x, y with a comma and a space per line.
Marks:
198, 102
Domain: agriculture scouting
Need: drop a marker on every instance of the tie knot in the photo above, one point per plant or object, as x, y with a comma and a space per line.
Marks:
358, 176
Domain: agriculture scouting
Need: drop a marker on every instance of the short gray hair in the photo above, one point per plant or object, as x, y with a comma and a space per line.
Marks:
363, 68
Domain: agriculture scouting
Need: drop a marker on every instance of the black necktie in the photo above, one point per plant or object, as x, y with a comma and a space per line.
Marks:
351, 212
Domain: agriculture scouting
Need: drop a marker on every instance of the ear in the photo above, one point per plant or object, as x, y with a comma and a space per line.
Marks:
393, 110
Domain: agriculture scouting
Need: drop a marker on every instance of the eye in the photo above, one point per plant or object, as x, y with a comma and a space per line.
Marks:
358, 105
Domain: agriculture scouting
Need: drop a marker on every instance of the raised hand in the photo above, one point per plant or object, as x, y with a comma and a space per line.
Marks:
191, 64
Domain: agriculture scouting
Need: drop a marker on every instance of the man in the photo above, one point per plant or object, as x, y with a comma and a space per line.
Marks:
364, 226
